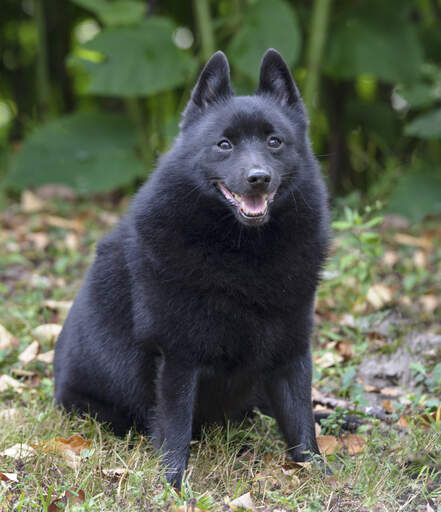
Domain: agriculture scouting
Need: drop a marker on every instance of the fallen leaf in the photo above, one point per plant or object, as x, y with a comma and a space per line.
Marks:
392, 391
19, 451
29, 353
72, 497
72, 241
8, 414
390, 258
114, 472
47, 333
420, 259
61, 307
403, 422
9, 477
379, 295
429, 303
413, 241
61, 222
30, 203
242, 502
345, 349
328, 444
39, 240
69, 449
350, 443
7, 340
7, 382
353, 444
387, 406
46, 357
328, 359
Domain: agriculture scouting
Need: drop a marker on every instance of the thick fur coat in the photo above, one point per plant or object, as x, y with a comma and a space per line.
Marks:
199, 305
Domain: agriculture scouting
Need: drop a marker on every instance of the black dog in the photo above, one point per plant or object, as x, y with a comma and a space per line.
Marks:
199, 305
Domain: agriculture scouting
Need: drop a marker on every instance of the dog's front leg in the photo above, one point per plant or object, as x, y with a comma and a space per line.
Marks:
176, 387
289, 394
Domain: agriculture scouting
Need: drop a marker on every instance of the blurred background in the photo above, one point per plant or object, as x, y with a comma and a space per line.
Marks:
91, 90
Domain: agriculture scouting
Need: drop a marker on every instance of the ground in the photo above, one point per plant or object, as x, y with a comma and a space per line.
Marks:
377, 352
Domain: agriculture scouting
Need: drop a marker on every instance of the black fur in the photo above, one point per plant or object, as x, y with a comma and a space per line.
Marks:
194, 312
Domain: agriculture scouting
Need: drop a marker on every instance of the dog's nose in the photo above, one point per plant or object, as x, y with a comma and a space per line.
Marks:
258, 178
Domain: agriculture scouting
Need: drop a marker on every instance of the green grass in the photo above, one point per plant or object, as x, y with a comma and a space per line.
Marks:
398, 470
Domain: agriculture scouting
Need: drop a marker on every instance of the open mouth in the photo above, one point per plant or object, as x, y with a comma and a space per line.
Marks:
253, 207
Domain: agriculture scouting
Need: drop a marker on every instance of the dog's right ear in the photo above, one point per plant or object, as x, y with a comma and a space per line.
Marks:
214, 82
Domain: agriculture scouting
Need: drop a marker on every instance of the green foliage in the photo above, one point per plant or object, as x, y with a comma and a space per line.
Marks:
117, 12
140, 60
416, 194
92, 152
265, 25
426, 126
375, 37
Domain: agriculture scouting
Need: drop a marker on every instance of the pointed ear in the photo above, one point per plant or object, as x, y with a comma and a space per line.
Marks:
214, 82
276, 79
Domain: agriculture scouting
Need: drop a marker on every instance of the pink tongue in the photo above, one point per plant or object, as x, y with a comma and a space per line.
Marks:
254, 204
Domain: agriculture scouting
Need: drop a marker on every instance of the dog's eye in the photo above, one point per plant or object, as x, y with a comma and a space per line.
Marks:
274, 142
225, 145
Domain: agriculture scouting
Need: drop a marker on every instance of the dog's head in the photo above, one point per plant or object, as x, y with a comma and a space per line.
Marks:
248, 148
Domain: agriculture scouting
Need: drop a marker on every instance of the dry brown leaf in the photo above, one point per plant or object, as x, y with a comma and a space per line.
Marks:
30, 203
46, 357
429, 302
379, 295
420, 259
69, 449
7, 340
413, 241
350, 443
371, 389
8, 414
61, 222
353, 444
390, 258
7, 382
114, 472
403, 422
345, 349
19, 451
328, 444
244, 502
39, 240
46, 333
328, 359
388, 407
392, 391
29, 353
73, 497
72, 241
9, 477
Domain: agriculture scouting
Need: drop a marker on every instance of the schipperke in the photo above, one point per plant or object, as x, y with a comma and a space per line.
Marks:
199, 305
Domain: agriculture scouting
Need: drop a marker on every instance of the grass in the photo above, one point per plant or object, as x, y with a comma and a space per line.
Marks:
398, 470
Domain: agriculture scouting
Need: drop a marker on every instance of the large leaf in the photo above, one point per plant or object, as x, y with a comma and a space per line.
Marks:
138, 61
266, 25
417, 194
426, 126
92, 152
377, 37
116, 13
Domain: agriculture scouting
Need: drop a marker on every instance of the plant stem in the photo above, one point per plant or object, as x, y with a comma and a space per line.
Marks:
205, 27
135, 113
47, 109
316, 42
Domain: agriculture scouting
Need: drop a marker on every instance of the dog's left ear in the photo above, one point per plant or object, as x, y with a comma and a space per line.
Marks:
276, 79
214, 82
